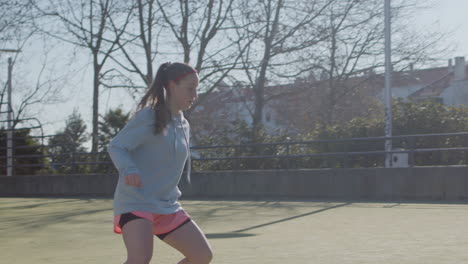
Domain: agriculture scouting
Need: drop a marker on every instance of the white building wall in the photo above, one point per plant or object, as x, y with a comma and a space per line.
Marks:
240, 111
456, 94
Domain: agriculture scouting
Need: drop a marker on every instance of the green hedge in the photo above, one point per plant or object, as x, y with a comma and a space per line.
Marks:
409, 118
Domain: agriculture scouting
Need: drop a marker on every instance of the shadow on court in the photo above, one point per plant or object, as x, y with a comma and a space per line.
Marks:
237, 233
33, 205
228, 235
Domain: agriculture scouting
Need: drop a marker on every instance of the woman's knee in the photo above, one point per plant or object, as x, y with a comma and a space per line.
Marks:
208, 256
138, 259
203, 257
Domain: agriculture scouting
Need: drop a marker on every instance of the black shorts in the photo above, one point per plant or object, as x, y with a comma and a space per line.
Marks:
127, 217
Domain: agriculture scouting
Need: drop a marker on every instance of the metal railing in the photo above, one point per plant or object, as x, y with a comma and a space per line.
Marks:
276, 155
411, 150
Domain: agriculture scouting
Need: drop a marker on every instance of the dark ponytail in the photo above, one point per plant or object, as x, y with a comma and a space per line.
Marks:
156, 94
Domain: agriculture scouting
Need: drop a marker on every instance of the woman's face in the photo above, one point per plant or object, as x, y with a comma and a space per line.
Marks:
184, 92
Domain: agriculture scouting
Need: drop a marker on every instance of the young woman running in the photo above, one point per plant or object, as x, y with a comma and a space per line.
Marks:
150, 153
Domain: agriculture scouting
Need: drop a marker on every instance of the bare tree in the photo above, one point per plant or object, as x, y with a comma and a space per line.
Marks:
14, 20
138, 38
352, 54
85, 24
203, 30
276, 31
332, 51
45, 90
16, 32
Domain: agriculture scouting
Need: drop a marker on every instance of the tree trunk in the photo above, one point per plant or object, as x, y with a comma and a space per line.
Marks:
259, 87
97, 70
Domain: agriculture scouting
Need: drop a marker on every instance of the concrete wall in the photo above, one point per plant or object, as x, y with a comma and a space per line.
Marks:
425, 183
58, 185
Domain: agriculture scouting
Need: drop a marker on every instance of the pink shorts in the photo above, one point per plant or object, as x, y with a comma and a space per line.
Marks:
162, 224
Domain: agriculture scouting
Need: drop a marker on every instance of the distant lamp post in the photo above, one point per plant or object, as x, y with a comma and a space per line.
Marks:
10, 110
388, 86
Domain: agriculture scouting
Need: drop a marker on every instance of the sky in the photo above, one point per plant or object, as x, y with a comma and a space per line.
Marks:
448, 16
445, 15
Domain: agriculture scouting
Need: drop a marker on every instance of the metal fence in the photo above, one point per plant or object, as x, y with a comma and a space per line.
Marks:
446, 149
404, 156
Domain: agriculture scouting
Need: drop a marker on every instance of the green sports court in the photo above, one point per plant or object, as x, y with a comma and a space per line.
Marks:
79, 230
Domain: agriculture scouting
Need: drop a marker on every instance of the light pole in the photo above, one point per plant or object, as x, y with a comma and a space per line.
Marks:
10, 110
388, 85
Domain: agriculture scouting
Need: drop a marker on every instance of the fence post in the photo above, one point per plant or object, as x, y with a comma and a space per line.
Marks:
73, 167
411, 154
346, 160
10, 133
346, 156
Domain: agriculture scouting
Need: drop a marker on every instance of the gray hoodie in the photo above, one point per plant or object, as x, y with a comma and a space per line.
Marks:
158, 159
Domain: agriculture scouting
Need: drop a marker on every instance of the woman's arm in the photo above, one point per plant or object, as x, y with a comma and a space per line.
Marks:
134, 133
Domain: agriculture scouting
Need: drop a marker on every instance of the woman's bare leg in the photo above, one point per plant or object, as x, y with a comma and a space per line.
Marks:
192, 243
138, 238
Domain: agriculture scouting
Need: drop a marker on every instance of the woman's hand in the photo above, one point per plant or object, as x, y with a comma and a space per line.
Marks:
134, 180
